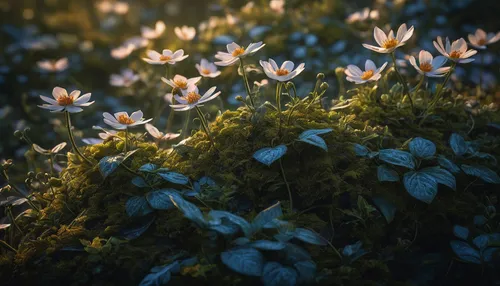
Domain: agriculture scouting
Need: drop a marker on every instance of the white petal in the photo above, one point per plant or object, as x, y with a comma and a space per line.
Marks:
202, 100
379, 36
438, 62
377, 49
231, 47
137, 115
287, 65
48, 100
118, 114
83, 99
408, 34
401, 32
58, 92
354, 70
73, 109
424, 57
370, 65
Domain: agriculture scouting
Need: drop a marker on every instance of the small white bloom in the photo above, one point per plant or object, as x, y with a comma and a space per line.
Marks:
54, 150
277, 6
153, 131
126, 78
261, 83
193, 98
456, 52
116, 7
428, 65
181, 82
168, 98
149, 33
92, 141
248, 7
207, 69
359, 16
235, 52
72, 103
53, 66
185, 33
371, 73
283, 73
231, 19
122, 52
121, 120
167, 56
105, 134
480, 39
136, 42
388, 43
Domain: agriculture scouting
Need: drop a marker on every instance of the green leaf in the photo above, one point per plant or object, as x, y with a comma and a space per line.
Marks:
421, 186
306, 270
275, 274
268, 245
461, 232
309, 236
268, 155
246, 261
465, 252
139, 182
148, 167
397, 157
267, 216
482, 172
311, 137
241, 222
161, 276
137, 206
160, 200
361, 150
109, 164
386, 174
422, 148
458, 144
173, 177
387, 209
448, 164
191, 211
441, 176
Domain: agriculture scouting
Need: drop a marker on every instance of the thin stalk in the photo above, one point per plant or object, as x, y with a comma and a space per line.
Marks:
7, 246
204, 124
481, 72
13, 219
419, 85
401, 79
72, 139
126, 140
278, 96
247, 85
186, 125
6, 176
287, 186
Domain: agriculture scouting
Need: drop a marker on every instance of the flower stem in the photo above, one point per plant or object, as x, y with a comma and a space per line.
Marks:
186, 125
401, 80
278, 96
72, 139
7, 179
287, 186
419, 85
126, 140
438, 94
247, 85
6, 245
204, 124
51, 159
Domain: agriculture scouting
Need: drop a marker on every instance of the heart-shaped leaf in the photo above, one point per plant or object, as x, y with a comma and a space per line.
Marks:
268, 245
174, 177
465, 252
441, 176
458, 144
275, 274
241, 222
137, 206
311, 137
160, 200
268, 155
421, 186
309, 236
397, 157
448, 164
386, 174
246, 261
190, 211
482, 172
267, 216
361, 150
461, 232
422, 148
387, 209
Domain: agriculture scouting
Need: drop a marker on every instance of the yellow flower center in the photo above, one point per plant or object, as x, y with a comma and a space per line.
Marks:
165, 58
481, 42
182, 84
65, 100
455, 54
426, 67
238, 51
206, 71
367, 75
282, 72
192, 97
390, 43
124, 119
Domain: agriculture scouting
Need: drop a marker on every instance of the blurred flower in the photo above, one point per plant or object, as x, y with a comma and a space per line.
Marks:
456, 52
248, 7
136, 42
192, 98
53, 65
155, 33
283, 73
235, 52
168, 98
363, 15
126, 78
116, 7
371, 73
92, 141
153, 131
71, 103
181, 82
231, 19
428, 65
86, 46
185, 33
54, 150
480, 39
277, 6
122, 52
261, 83
388, 43
105, 134
165, 57
121, 120
207, 69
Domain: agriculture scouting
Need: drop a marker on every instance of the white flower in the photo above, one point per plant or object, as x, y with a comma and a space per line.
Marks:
261, 83
388, 43
153, 131
168, 98
480, 40
117, 7
429, 66
283, 73
277, 6
363, 15
122, 121
54, 150
165, 57
181, 82
105, 134
122, 52
235, 52
72, 103
126, 78
53, 66
136, 42
231, 19
371, 73
456, 52
185, 33
248, 7
149, 33
207, 69
192, 98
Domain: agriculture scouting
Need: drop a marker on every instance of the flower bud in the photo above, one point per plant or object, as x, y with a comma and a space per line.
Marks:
320, 76
18, 134
289, 85
39, 176
324, 86
384, 97
31, 174
239, 98
339, 72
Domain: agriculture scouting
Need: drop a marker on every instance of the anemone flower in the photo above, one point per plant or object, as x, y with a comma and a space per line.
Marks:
117, 7
388, 43
137, 42
371, 73
185, 33
193, 99
428, 65
363, 15
456, 52
53, 65
167, 56
122, 121
50, 153
283, 73
181, 82
236, 52
126, 78
150, 33
153, 131
105, 134
71, 103
207, 69
122, 52
480, 39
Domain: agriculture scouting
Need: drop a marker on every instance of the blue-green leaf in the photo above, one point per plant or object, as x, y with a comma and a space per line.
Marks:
386, 174
225, 229
295, 253
387, 209
480, 220
361, 150
246, 261
458, 144
160, 276
352, 249
314, 132
311, 137
109, 164
139, 182
421, 186
306, 270
241, 222
148, 167
173, 177
441, 176
448, 164
309, 236
422, 148
268, 155
268, 245
190, 211
137, 206
482, 172
488, 157
160, 200
275, 274
465, 252
397, 157
267, 216
461, 232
